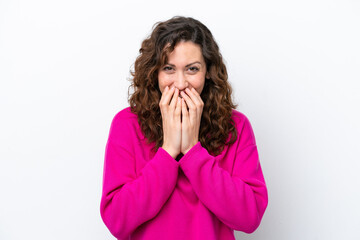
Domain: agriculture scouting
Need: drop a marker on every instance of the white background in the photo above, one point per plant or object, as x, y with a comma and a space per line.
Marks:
64, 70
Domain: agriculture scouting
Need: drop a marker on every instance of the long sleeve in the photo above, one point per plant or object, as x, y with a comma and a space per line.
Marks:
130, 198
239, 198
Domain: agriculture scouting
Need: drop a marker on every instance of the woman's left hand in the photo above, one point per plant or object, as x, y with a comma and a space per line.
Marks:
190, 124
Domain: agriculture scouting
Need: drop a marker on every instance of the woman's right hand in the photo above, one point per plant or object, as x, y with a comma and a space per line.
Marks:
171, 120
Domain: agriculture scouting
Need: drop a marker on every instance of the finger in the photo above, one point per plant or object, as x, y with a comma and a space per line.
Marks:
197, 95
188, 101
166, 96
184, 111
184, 108
178, 109
174, 98
163, 94
194, 97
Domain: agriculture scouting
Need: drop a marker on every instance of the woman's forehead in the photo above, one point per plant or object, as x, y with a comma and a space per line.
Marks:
185, 52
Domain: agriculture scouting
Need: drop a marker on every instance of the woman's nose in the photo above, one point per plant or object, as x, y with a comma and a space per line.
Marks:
181, 81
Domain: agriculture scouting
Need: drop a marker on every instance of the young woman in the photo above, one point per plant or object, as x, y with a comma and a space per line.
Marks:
181, 162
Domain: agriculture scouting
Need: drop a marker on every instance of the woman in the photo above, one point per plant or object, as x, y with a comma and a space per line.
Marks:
181, 162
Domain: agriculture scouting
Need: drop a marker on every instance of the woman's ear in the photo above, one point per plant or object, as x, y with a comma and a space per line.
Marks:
207, 76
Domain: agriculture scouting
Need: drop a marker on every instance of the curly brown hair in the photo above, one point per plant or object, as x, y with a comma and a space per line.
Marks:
216, 122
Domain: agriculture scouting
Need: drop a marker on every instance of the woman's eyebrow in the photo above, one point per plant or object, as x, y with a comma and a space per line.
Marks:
186, 65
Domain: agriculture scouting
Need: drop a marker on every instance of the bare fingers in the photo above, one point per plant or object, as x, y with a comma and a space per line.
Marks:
174, 99
193, 99
166, 97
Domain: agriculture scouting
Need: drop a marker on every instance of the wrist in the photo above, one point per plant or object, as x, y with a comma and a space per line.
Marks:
172, 153
188, 149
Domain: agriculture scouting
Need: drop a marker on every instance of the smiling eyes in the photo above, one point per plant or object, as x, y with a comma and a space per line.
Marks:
192, 69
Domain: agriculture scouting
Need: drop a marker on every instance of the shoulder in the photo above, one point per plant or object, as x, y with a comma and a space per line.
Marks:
239, 118
243, 126
125, 124
125, 114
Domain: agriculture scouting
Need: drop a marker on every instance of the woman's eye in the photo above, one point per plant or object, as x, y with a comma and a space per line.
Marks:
194, 69
167, 68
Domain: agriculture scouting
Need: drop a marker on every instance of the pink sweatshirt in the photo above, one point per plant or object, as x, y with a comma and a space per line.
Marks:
150, 195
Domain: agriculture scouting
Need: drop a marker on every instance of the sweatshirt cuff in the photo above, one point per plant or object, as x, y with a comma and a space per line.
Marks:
191, 153
165, 155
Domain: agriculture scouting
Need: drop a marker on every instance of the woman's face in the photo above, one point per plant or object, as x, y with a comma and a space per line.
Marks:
185, 68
